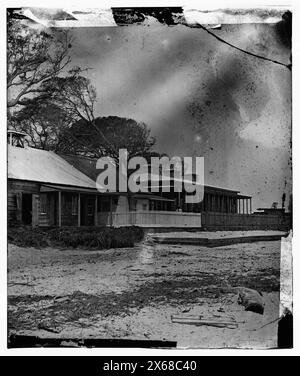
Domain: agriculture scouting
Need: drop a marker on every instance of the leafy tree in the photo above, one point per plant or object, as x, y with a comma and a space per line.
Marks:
91, 135
44, 122
119, 133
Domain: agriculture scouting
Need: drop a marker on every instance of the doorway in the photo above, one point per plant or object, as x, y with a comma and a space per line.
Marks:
27, 208
87, 210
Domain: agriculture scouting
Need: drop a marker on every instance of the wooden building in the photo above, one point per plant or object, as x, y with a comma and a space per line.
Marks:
220, 200
46, 189
215, 199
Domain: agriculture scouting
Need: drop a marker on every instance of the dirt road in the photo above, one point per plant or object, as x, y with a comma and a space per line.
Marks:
132, 293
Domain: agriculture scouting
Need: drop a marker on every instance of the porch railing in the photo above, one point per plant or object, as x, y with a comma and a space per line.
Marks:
150, 219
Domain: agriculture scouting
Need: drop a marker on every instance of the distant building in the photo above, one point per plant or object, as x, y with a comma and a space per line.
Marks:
273, 211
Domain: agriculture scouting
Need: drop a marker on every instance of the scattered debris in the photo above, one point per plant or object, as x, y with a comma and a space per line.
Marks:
185, 310
251, 299
119, 303
49, 328
60, 299
178, 253
199, 320
21, 284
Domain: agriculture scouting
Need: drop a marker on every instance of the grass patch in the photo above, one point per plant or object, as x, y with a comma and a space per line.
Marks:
90, 238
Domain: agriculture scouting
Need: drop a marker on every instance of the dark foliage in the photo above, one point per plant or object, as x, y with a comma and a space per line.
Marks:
90, 238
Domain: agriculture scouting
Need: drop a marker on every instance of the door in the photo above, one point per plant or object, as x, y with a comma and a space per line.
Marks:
87, 210
27, 208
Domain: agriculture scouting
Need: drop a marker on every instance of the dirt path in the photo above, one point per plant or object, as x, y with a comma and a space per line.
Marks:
132, 293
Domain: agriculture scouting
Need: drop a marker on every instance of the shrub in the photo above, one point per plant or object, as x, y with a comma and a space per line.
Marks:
91, 238
24, 237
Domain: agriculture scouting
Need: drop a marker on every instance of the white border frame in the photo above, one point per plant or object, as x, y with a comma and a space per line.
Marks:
211, 4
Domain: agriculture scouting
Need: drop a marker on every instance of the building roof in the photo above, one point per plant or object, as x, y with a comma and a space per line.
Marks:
45, 167
87, 166
12, 131
84, 164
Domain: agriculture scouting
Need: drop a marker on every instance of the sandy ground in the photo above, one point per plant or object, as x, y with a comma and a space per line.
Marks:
132, 293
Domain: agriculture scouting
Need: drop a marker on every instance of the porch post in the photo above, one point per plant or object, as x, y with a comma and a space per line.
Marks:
96, 210
79, 210
250, 205
59, 208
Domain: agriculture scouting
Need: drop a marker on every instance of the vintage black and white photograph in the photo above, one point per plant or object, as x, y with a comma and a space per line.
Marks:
149, 177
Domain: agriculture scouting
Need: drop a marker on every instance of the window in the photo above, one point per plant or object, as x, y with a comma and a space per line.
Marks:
132, 204
74, 205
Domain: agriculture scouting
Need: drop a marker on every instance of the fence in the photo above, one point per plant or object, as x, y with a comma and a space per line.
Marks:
150, 219
226, 221
205, 220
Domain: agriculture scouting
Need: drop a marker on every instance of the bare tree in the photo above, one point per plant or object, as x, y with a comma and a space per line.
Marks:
77, 96
33, 56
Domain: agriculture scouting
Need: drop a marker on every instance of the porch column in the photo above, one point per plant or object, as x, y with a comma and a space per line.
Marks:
79, 210
250, 205
96, 210
59, 208
243, 206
